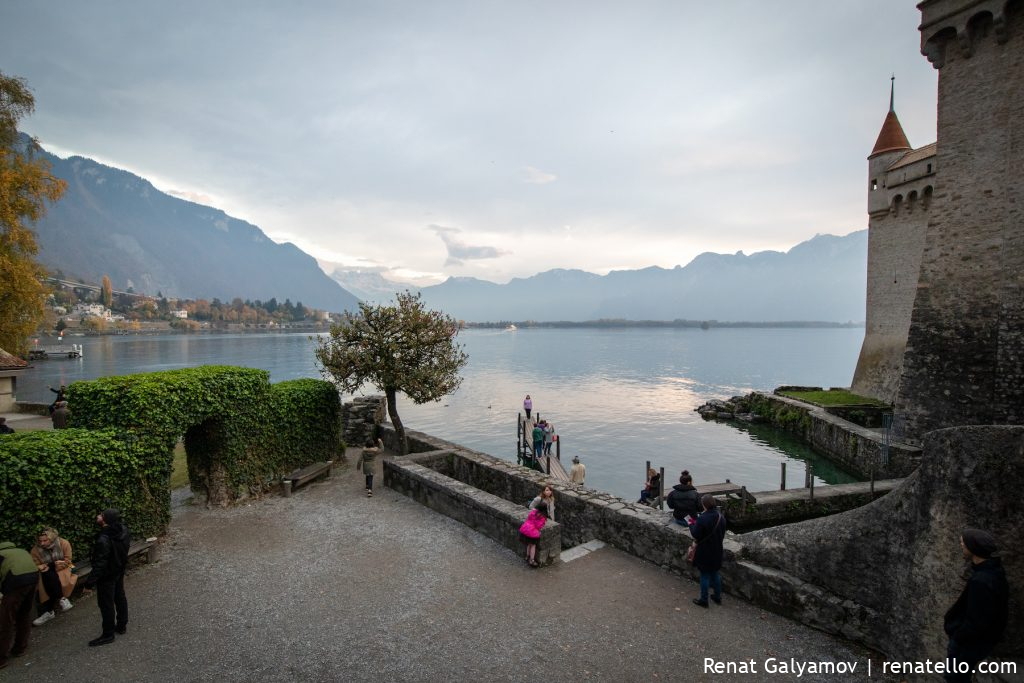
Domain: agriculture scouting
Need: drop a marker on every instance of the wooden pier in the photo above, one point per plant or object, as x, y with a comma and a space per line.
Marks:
60, 351
550, 465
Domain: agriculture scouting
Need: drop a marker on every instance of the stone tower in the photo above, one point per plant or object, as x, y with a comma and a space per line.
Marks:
900, 188
964, 363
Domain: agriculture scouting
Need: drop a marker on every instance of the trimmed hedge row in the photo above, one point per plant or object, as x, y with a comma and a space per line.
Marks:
241, 435
64, 478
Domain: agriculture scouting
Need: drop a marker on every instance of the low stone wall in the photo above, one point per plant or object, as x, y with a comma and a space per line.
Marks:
582, 514
492, 516
794, 505
30, 408
857, 449
360, 417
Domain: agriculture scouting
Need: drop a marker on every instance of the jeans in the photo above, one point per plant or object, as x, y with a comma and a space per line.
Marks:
369, 482
538, 448
964, 655
51, 582
112, 601
712, 579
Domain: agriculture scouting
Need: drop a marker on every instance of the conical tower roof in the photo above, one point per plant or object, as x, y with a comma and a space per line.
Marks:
891, 138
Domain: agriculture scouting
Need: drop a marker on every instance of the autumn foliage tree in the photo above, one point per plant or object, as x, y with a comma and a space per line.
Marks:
25, 185
107, 292
397, 348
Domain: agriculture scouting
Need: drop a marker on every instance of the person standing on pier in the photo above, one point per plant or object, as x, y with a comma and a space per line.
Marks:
549, 437
578, 471
976, 621
527, 405
708, 533
538, 440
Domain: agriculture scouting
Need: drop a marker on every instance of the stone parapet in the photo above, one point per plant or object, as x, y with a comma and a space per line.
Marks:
492, 516
360, 417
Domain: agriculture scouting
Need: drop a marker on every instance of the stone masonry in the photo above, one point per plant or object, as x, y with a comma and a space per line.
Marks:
965, 352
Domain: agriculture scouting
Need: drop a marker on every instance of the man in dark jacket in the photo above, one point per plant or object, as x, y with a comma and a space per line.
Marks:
976, 621
18, 578
684, 500
708, 533
109, 561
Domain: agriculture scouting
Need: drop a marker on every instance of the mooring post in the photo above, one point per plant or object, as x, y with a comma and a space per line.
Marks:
558, 447
519, 436
782, 487
743, 497
661, 490
810, 476
807, 475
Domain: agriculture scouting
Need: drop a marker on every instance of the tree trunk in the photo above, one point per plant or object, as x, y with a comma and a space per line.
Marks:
403, 443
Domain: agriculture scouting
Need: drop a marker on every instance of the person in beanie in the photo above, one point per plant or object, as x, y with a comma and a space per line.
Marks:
109, 561
18, 578
976, 621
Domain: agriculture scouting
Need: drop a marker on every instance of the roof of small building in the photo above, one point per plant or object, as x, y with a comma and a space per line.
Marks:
9, 362
891, 137
913, 156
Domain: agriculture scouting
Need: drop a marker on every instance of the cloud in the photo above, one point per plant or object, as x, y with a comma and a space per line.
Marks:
195, 197
459, 252
535, 176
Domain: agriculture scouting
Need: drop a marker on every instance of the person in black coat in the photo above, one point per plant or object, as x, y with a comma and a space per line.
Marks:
684, 501
109, 561
708, 533
976, 621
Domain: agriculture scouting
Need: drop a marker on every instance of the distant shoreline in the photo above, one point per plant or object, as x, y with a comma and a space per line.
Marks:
700, 324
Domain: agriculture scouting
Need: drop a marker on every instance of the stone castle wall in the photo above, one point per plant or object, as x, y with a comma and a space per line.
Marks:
895, 242
965, 352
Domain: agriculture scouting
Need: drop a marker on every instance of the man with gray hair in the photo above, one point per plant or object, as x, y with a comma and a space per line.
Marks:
976, 621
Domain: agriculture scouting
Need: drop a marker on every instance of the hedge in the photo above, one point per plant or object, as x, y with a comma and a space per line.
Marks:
241, 435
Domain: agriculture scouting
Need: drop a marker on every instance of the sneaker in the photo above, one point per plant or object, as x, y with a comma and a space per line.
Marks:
43, 618
65, 604
369, 493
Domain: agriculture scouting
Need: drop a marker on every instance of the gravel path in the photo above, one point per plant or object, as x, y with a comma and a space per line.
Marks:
330, 585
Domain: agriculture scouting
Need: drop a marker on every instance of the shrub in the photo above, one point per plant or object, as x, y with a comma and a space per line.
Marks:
241, 435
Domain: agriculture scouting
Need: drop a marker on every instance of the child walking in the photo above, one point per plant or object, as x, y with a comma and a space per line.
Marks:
368, 461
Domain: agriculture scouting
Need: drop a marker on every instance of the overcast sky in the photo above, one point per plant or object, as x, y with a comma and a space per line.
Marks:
488, 139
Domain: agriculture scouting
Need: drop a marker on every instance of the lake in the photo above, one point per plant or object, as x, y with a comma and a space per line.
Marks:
617, 397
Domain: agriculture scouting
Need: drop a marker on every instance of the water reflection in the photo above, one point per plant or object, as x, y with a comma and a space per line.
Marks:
616, 397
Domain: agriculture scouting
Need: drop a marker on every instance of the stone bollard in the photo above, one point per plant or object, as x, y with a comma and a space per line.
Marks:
286, 488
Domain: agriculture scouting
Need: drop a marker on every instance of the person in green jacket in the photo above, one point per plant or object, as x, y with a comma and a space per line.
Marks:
18, 578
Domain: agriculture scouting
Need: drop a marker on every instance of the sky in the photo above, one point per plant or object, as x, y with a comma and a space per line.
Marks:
479, 138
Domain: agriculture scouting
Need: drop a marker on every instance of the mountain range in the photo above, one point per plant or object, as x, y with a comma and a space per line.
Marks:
112, 222
821, 279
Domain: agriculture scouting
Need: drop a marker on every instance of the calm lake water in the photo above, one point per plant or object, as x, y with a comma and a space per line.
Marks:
616, 397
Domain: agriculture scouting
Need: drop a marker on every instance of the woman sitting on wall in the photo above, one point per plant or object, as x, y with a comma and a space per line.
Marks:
52, 555
547, 496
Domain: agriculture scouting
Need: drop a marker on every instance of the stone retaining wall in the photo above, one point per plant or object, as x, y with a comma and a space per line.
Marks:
794, 505
360, 417
857, 449
492, 516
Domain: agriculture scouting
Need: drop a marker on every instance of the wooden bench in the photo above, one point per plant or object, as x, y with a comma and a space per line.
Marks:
148, 548
725, 489
304, 475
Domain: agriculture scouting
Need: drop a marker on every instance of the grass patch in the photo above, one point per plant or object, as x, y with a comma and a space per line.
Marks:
179, 468
836, 397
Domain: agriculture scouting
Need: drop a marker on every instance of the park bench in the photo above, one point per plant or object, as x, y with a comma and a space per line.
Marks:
304, 475
148, 548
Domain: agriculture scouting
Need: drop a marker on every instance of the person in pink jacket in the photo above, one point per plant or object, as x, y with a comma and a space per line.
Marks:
529, 532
